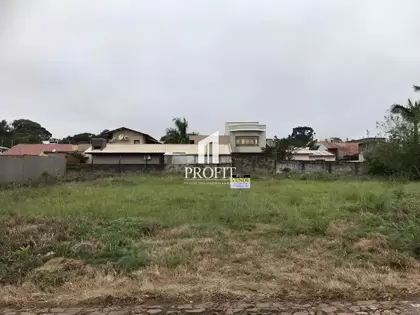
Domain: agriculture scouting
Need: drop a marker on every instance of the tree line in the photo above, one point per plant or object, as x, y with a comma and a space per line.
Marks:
31, 132
28, 131
22, 131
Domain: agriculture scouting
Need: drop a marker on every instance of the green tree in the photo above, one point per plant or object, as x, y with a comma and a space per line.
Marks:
411, 115
400, 154
281, 149
84, 137
28, 131
179, 133
417, 88
302, 136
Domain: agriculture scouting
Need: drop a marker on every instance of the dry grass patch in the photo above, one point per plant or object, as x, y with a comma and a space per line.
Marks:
146, 236
374, 244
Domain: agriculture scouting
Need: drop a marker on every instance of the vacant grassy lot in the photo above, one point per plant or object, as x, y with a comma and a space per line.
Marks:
143, 235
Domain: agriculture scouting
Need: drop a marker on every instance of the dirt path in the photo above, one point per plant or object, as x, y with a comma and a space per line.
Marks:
283, 308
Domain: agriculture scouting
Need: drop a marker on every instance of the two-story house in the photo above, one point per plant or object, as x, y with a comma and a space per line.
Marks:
125, 146
241, 136
246, 136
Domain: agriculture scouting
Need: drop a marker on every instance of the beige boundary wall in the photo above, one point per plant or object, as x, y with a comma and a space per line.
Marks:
20, 169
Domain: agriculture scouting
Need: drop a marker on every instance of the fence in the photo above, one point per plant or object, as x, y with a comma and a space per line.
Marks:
19, 169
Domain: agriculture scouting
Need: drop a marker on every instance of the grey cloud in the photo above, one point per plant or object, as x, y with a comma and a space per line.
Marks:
78, 66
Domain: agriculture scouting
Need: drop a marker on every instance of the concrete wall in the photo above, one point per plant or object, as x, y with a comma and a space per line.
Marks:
253, 163
132, 158
245, 163
121, 168
18, 169
178, 168
192, 159
317, 166
265, 164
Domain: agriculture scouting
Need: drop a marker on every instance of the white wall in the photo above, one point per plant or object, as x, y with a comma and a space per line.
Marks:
124, 159
247, 149
309, 157
192, 159
300, 157
132, 136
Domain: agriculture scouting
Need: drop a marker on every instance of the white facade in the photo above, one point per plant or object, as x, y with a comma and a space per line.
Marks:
312, 155
246, 136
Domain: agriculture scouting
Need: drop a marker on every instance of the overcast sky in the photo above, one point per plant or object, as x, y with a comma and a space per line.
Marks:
87, 65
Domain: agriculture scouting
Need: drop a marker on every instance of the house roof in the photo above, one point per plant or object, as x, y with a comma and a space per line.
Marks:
125, 128
37, 149
348, 148
168, 149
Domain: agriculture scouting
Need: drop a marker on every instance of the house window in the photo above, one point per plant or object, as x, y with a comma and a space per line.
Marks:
249, 141
136, 141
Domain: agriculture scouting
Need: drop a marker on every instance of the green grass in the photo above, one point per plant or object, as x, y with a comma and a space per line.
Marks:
130, 223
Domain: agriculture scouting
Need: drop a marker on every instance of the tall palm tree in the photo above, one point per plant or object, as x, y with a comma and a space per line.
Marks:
411, 114
416, 88
178, 134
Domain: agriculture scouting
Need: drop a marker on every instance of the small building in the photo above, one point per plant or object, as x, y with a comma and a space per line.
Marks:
241, 136
103, 153
312, 155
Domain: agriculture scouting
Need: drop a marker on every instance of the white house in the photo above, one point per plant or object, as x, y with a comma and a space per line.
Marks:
246, 136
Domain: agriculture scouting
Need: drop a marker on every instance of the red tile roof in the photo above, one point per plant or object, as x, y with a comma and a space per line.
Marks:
347, 148
37, 149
